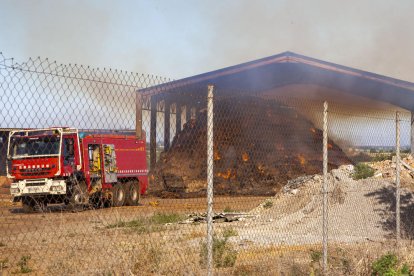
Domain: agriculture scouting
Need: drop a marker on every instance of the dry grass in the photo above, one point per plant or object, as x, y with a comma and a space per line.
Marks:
112, 252
307, 260
196, 234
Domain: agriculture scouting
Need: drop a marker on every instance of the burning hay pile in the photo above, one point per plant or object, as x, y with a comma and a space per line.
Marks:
259, 146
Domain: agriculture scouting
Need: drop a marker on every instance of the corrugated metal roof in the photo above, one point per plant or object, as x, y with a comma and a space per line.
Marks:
291, 68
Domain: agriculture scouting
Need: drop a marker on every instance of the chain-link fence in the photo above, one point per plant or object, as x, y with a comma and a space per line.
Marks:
113, 173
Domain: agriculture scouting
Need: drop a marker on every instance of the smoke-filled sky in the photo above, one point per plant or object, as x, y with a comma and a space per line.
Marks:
181, 38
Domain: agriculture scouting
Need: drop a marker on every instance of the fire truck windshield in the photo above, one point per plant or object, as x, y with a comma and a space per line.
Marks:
22, 147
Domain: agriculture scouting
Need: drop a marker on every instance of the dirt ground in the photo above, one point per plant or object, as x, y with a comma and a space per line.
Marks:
13, 219
280, 235
59, 241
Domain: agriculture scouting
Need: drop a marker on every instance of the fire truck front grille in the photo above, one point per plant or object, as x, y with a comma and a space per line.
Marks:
35, 172
32, 184
36, 182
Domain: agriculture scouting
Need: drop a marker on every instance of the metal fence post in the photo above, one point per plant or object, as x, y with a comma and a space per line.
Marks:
397, 179
412, 134
138, 115
325, 188
210, 165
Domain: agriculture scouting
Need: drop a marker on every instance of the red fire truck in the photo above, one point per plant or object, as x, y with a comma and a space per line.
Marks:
62, 165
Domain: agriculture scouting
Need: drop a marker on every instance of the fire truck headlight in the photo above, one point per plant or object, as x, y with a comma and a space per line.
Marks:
14, 190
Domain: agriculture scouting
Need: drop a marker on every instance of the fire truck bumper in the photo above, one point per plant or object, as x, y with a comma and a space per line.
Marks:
43, 186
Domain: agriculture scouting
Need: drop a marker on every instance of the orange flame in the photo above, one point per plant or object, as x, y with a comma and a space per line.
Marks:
227, 175
330, 146
302, 159
313, 130
217, 156
245, 157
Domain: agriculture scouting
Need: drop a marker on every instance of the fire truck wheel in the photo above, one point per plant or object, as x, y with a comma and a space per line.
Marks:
118, 195
31, 205
133, 195
28, 204
96, 200
79, 196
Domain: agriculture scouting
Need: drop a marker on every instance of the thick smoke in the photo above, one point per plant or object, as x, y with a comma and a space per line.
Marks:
175, 39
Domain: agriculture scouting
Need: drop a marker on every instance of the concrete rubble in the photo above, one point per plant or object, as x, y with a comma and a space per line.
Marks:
386, 169
358, 209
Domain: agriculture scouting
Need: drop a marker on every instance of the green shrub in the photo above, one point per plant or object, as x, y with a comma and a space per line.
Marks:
148, 225
3, 263
362, 171
166, 218
230, 232
228, 209
383, 157
405, 270
135, 223
223, 253
316, 256
24, 264
268, 204
315, 266
388, 265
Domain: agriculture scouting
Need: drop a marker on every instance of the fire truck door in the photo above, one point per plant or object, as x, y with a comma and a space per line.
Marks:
109, 158
68, 155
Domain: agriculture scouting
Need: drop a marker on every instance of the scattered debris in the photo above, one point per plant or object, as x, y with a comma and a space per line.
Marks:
343, 172
220, 217
407, 166
387, 169
293, 184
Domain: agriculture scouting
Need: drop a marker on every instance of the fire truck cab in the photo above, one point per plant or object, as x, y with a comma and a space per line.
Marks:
61, 165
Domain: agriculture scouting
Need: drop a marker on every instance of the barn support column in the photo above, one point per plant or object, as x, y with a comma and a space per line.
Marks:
153, 133
178, 118
195, 109
412, 133
167, 124
138, 115
187, 113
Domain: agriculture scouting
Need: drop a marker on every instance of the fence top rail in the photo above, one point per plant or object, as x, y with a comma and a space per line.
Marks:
82, 72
